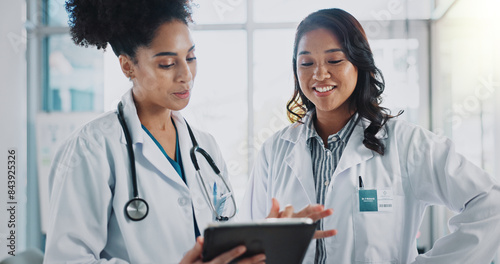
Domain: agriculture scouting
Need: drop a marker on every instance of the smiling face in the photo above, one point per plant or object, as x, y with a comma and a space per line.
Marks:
324, 74
164, 72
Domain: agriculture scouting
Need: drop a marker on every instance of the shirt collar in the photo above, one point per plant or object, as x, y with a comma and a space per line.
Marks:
343, 135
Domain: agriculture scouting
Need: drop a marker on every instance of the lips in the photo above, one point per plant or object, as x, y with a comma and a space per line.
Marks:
183, 94
324, 89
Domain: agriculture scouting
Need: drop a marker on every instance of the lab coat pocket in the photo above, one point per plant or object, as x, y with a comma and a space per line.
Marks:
377, 229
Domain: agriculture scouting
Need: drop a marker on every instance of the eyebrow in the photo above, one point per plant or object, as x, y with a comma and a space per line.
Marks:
326, 51
169, 53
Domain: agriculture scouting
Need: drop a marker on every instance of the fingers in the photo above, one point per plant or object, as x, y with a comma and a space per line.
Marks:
229, 255
287, 212
319, 215
195, 253
310, 209
324, 234
315, 212
260, 258
275, 209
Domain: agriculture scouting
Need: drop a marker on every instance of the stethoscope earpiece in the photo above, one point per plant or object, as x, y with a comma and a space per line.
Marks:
222, 218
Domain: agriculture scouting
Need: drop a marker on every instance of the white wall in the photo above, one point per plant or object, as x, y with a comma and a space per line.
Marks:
13, 116
466, 87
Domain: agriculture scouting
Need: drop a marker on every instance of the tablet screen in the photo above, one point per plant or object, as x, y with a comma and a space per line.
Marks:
283, 240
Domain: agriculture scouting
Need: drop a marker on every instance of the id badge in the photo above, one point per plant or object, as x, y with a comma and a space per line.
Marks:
375, 200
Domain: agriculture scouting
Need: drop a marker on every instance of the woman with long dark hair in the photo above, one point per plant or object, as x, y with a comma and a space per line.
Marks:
347, 152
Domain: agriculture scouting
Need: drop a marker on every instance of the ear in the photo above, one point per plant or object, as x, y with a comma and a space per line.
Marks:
127, 66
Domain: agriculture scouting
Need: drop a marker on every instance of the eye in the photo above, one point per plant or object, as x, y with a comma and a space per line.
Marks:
305, 64
191, 59
334, 61
163, 66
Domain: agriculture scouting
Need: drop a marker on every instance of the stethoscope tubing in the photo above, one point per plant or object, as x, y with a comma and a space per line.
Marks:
137, 208
208, 158
130, 149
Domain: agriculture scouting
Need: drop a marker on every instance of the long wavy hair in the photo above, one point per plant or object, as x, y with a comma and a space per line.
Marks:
366, 97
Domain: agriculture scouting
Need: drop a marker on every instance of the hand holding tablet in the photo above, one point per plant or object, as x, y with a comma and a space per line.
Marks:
283, 240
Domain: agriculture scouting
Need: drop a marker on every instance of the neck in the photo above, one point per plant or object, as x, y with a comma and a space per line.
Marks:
154, 117
329, 123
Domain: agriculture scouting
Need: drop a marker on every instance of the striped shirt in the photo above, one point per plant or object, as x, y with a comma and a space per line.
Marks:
324, 161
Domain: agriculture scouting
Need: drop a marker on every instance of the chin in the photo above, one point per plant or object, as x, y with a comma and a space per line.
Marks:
178, 107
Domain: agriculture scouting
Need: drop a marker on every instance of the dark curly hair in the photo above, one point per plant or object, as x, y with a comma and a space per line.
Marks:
366, 97
124, 24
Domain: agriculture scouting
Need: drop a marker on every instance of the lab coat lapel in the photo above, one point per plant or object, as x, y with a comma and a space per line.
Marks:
200, 204
144, 146
299, 160
153, 154
185, 145
355, 152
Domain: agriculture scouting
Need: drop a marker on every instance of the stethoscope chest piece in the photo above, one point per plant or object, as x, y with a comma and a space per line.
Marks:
136, 209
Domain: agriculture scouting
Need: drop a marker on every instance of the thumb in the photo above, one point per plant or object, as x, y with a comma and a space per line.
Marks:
275, 209
195, 253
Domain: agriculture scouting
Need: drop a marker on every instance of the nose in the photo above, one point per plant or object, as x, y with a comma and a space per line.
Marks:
184, 73
321, 72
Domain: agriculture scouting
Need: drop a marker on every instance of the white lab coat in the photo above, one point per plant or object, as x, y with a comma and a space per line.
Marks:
419, 167
90, 183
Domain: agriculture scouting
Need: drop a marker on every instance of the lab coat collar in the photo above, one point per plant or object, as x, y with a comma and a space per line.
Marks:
298, 130
354, 153
185, 145
132, 119
151, 151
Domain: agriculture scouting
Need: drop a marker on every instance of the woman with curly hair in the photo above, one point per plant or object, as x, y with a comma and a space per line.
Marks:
95, 216
378, 173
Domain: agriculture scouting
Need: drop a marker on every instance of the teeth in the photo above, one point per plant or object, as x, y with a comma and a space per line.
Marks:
323, 89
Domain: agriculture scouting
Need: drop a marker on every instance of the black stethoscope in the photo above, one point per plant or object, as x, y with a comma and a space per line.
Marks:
137, 208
